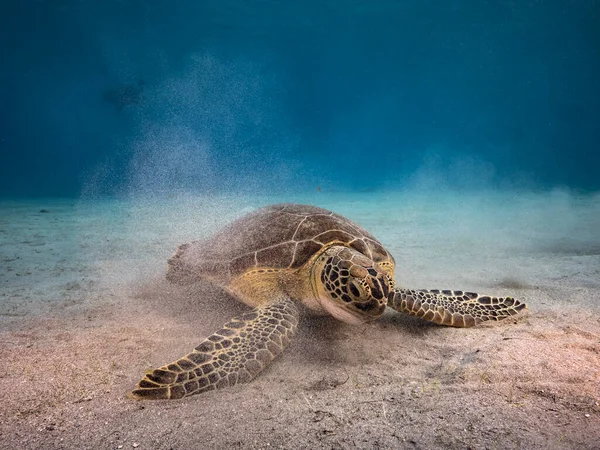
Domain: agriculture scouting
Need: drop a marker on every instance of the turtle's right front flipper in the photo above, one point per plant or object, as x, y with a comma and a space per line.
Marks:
234, 354
453, 308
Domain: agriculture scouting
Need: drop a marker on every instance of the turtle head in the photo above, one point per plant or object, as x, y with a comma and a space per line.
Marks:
350, 286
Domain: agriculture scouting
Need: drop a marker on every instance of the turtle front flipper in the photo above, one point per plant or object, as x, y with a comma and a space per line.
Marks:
234, 354
453, 308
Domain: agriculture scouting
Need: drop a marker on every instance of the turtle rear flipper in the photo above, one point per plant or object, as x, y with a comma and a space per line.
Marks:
234, 354
453, 308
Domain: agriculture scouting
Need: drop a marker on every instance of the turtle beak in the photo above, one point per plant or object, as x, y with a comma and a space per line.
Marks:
371, 309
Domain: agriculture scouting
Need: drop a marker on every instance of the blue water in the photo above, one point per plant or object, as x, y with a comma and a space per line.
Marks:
114, 97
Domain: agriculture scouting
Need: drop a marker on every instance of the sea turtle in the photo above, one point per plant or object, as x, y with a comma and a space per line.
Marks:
280, 256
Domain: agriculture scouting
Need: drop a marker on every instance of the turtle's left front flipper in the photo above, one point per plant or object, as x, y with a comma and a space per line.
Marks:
453, 308
234, 354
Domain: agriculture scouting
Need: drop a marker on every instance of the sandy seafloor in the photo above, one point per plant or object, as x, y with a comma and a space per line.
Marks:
85, 310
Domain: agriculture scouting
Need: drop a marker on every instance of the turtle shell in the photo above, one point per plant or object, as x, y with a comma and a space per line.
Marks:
283, 236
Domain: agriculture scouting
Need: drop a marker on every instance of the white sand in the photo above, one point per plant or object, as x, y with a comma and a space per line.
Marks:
85, 309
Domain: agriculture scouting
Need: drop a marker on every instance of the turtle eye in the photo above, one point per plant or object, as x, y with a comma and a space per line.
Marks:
355, 289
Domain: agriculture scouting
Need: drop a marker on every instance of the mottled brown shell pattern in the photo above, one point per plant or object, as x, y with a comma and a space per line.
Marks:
283, 236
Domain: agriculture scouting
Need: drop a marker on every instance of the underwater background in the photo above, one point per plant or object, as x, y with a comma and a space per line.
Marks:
464, 135
145, 97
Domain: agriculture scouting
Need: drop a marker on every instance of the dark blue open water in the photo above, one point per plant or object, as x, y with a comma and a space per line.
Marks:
117, 97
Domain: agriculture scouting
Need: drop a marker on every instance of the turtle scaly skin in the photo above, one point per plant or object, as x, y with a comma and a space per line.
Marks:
284, 254
234, 354
453, 308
